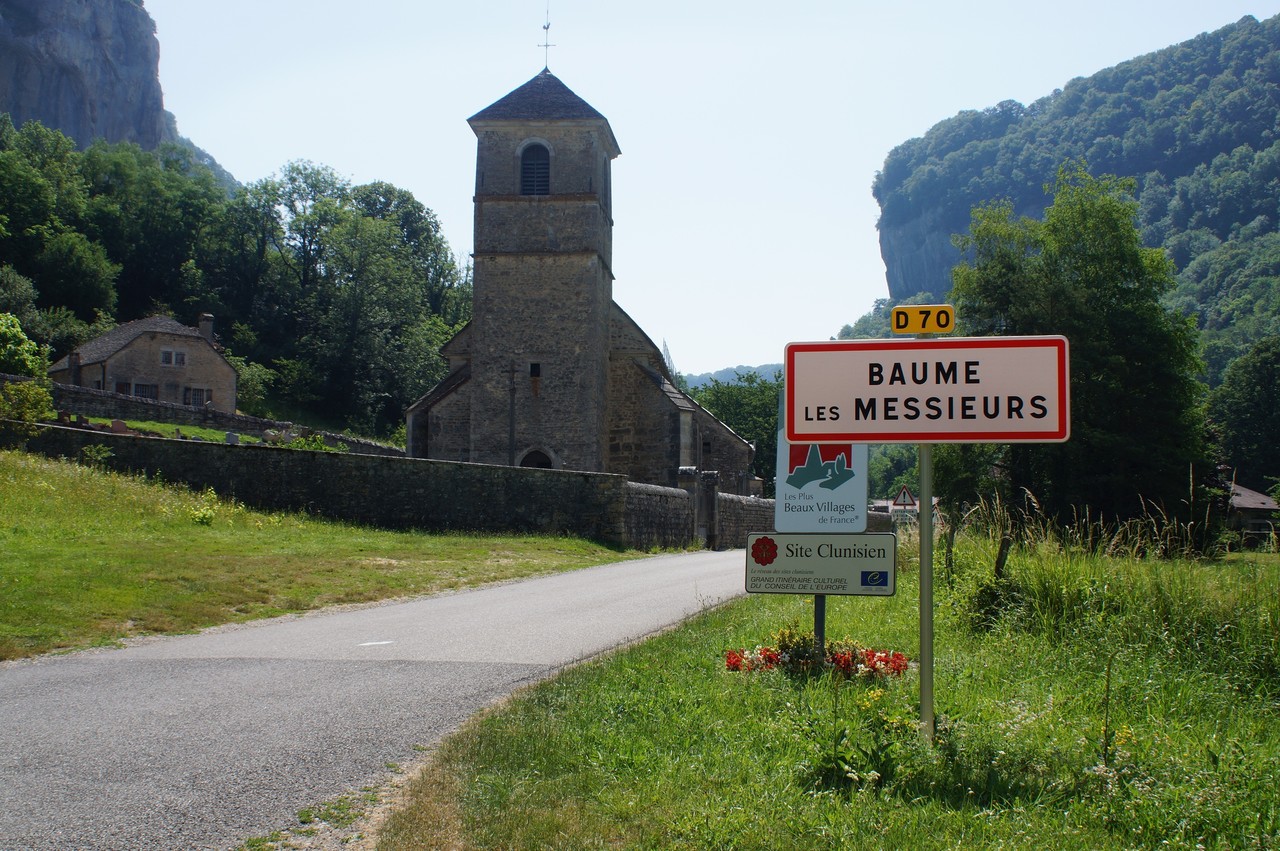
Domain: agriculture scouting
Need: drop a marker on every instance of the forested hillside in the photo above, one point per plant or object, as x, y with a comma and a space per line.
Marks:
1197, 125
332, 299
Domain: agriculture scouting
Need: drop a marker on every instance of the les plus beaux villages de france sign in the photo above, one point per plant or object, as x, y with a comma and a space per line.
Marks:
820, 487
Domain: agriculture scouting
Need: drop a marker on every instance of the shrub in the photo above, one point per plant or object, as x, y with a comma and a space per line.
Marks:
23, 404
19, 355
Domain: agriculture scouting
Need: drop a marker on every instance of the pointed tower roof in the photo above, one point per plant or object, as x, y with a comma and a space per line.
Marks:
544, 98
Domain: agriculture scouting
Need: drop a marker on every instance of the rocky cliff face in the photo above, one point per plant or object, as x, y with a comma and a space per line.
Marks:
89, 68
918, 256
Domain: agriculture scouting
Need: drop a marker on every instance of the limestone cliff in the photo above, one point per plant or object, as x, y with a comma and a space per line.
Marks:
89, 68
918, 256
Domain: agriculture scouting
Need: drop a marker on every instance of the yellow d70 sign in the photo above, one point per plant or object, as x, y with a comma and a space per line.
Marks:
923, 319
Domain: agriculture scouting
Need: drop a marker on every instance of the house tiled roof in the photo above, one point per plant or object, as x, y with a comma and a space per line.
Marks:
1243, 499
101, 348
543, 98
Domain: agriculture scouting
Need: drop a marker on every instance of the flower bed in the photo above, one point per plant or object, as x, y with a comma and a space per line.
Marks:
796, 653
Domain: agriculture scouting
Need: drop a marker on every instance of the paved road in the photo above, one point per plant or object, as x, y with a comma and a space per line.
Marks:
203, 741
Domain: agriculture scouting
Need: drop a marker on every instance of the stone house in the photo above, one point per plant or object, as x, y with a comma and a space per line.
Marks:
154, 358
1254, 514
550, 372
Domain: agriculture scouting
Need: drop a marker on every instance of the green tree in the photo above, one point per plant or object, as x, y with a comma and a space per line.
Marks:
749, 406
1245, 413
890, 466
149, 211
19, 355
253, 384
1083, 273
23, 404
18, 296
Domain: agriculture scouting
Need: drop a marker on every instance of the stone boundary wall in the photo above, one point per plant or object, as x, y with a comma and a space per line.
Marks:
738, 516
104, 403
433, 496
397, 493
658, 517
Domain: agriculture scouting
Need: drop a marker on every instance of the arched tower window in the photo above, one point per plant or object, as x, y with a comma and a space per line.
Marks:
535, 170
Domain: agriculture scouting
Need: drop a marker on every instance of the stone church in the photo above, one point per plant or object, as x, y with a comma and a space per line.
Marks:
550, 372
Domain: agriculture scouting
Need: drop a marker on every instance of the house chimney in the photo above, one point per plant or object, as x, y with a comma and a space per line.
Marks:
73, 365
206, 326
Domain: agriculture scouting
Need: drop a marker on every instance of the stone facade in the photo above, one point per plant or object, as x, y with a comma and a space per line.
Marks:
550, 371
154, 358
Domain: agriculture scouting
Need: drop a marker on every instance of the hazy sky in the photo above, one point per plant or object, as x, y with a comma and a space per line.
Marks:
750, 131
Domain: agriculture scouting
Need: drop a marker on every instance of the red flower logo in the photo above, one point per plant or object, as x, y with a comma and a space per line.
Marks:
764, 551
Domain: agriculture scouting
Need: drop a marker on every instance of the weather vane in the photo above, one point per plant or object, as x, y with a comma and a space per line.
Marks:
546, 40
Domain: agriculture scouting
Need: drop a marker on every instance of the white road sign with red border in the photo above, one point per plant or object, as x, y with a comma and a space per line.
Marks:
950, 390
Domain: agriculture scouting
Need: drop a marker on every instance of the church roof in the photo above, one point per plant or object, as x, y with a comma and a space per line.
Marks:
544, 98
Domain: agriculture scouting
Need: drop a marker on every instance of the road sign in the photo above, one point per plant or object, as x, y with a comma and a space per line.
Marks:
951, 390
904, 499
922, 319
857, 565
819, 487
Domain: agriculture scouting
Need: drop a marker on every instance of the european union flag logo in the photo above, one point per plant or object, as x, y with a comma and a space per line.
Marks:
875, 578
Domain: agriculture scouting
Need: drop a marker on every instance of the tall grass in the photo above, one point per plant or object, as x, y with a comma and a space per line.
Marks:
1084, 701
1220, 614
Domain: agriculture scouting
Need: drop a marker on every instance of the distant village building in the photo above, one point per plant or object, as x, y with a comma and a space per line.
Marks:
550, 372
154, 358
1254, 514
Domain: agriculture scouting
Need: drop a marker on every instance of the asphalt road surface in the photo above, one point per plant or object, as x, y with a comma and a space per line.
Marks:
204, 741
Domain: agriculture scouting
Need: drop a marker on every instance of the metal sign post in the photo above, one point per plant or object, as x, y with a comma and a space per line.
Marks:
926, 590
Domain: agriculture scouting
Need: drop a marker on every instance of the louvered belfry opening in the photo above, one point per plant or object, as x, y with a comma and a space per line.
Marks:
535, 171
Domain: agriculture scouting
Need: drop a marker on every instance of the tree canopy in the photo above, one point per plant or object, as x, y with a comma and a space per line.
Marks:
19, 355
1245, 412
1194, 125
332, 299
1083, 272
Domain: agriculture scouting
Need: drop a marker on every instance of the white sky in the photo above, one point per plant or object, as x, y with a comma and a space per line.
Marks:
750, 131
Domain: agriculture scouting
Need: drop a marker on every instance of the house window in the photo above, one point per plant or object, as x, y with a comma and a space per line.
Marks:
535, 171
535, 370
170, 357
146, 391
197, 396
124, 388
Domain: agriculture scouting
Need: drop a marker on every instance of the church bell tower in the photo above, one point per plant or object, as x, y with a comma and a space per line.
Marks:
543, 284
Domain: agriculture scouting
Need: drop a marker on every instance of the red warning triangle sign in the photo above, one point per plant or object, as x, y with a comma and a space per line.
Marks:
904, 499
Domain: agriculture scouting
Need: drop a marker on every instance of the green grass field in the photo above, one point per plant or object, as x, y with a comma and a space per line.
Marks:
88, 558
1092, 703
1082, 701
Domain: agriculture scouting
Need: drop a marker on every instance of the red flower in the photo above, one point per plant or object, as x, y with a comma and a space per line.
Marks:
733, 660
764, 551
844, 662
